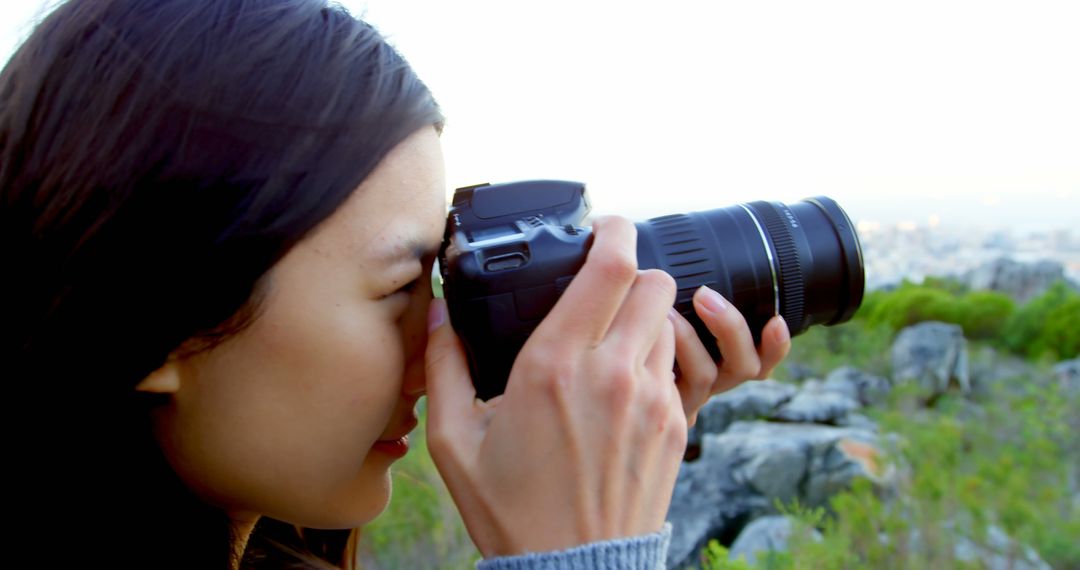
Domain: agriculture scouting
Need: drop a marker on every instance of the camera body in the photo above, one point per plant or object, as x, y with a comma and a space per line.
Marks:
509, 252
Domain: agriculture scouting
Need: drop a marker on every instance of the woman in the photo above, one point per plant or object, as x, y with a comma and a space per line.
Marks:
217, 222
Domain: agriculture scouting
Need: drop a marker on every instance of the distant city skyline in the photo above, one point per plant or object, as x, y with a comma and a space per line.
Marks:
959, 113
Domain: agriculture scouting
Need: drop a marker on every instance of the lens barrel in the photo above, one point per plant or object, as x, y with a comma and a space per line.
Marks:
802, 261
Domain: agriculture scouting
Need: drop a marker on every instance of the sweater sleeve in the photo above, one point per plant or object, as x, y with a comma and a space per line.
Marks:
646, 552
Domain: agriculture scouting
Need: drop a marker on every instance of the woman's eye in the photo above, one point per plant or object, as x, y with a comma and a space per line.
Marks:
406, 288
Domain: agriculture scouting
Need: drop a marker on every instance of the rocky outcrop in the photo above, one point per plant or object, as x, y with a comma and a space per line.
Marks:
748, 401
814, 404
933, 355
1021, 281
745, 470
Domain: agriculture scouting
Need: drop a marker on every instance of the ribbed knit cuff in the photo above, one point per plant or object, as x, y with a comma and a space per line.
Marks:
647, 552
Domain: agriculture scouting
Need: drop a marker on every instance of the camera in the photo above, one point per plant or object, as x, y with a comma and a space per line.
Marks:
510, 250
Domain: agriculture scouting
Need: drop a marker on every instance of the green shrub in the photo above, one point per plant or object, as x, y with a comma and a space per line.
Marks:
1046, 326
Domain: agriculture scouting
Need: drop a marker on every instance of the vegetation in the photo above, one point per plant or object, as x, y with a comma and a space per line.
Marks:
1006, 458
1006, 464
1044, 327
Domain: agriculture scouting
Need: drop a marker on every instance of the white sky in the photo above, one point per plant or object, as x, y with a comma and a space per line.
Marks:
967, 111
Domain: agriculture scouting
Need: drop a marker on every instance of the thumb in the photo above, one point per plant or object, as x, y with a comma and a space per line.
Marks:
451, 395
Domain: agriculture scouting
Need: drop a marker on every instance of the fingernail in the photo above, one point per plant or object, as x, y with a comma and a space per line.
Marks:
436, 315
781, 334
712, 300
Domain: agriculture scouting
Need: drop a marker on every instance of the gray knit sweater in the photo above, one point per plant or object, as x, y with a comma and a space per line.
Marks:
646, 552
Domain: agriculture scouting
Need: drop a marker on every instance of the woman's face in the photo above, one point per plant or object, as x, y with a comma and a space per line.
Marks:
286, 418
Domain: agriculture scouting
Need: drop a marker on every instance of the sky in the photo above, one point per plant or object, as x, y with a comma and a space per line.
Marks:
957, 113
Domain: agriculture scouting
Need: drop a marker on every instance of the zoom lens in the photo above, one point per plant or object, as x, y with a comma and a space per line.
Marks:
802, 261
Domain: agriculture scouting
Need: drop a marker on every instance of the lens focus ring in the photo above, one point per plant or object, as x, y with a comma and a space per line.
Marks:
792, 288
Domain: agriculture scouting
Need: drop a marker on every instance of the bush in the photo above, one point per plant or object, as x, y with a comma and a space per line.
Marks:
980, 313
1048, 326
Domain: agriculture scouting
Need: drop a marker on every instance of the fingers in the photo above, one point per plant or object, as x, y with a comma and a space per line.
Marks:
775, 344
643, 315
697, 371
451, 395
740, 358
611, 268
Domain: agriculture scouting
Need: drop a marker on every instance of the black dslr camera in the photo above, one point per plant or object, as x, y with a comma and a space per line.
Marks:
510, 250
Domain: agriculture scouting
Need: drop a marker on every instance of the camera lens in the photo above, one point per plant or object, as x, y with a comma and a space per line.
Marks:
802, 261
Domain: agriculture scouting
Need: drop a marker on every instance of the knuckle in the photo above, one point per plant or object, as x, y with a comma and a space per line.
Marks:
657, 405
678, 432
620, 268
618, 384
703, 378
660, 280
548, 370
743, 368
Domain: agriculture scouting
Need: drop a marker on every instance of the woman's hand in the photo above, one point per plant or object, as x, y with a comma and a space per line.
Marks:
699, 376
585, 443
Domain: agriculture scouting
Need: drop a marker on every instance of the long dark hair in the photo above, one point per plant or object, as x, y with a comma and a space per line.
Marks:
157, 157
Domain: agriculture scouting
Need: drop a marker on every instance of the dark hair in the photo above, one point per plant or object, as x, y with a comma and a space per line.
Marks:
157, 157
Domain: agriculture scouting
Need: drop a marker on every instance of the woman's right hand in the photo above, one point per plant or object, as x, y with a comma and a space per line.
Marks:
585, 443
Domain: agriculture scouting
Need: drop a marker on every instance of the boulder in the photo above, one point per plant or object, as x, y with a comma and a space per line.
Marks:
933, 355
867, 389
814, 404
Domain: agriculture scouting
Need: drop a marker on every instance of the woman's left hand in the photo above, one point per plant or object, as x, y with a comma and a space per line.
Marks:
699, 376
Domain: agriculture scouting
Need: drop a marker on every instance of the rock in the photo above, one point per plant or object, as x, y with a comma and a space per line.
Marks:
1021, 281
858, 421
799, 372
1067, 374
747, 401
933, 355
744, 470
867, 389
765, 534
814, 404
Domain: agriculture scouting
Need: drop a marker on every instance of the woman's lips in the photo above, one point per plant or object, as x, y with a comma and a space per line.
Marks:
396, 448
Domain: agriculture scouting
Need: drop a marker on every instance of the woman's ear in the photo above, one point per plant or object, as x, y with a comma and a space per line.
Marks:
164, 380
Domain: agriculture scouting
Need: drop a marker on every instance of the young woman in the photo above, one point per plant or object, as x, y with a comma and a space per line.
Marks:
217, 221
